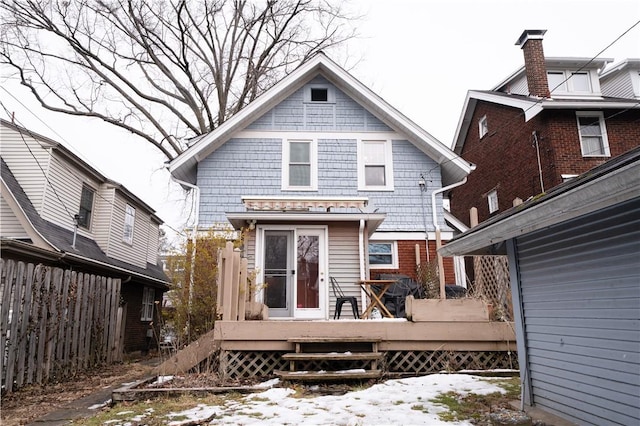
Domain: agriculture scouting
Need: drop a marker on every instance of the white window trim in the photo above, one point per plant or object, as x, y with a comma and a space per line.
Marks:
394, 255
567, 88
492, 199
483, 126
331, 95
148, 303
129, 215
313, 158
603, 130
388, 167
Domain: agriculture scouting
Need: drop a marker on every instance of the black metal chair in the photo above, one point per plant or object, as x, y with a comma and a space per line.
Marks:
341, 299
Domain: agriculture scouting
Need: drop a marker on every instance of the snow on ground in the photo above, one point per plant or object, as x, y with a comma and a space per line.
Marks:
394, 402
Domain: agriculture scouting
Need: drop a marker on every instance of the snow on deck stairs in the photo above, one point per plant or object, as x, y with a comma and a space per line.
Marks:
334, 353
189, 357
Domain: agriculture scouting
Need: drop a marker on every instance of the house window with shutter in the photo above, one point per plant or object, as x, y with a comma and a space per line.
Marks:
148, 301
375, 165
299, 165
86, 207
593, 134
129, 222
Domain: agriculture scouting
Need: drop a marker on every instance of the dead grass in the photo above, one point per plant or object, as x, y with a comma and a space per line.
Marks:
34, 401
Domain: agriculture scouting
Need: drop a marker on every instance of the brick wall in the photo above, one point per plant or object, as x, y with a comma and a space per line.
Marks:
506, 157
407, 260
135, 338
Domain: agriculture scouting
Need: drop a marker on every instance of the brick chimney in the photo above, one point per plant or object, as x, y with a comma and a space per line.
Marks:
531, 43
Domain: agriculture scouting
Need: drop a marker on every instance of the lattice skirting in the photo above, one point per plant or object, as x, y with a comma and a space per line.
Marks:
237, 364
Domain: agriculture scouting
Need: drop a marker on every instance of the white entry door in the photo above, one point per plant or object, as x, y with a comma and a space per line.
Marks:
294, 278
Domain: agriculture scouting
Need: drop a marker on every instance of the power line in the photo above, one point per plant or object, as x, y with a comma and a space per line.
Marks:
513, 121
69, 170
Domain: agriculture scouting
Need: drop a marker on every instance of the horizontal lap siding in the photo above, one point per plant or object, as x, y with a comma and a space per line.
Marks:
581, 303
28, 161
344, 263
9, 224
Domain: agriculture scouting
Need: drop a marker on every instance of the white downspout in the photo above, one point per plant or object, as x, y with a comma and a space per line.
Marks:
196, 200
363, 297
437, 228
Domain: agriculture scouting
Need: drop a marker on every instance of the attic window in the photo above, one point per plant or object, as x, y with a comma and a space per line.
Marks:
319, 94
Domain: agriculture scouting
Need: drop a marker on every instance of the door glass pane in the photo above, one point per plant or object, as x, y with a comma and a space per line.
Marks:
275, 292
308, 267
275, 270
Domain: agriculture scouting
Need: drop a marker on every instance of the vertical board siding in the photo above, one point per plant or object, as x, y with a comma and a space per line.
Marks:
9, 224
344, 264
51, 321
581, 302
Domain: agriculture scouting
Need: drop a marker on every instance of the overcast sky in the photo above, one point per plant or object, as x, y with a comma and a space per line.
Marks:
420, 56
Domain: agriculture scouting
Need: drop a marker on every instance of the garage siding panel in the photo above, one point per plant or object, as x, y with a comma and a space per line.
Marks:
580, 284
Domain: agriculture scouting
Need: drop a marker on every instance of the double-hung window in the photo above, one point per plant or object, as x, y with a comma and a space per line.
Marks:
383, 254
593, 134
86, 207
148, 300
299, 165
375, 165
129, 222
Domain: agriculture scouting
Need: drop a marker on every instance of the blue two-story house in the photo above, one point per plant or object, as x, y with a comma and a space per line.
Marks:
329, 180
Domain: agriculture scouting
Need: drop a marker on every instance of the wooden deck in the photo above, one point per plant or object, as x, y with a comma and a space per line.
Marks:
263, 348
393, 334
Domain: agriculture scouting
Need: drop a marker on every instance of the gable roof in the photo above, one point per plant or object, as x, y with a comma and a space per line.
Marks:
60, 240
614, 182
82, 165
454, 168
531, 106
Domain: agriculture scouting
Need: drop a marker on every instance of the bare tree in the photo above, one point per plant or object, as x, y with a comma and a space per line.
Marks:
164, 70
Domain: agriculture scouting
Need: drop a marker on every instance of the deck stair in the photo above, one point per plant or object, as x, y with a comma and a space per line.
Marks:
332, 359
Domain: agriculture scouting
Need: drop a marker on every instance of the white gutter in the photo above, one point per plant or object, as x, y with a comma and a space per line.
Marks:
437, 228
433, 200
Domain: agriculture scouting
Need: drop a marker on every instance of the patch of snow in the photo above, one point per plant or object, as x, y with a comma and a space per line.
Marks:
99, 406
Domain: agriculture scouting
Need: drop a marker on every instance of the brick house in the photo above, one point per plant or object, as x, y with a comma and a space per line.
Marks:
551, 120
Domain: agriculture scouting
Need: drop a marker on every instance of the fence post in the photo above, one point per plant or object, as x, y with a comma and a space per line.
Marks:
242, 290
227, 262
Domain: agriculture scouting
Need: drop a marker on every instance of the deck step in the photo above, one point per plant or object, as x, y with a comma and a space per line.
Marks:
328, 375
333, 356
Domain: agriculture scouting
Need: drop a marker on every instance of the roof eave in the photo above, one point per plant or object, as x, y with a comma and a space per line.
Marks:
612, 188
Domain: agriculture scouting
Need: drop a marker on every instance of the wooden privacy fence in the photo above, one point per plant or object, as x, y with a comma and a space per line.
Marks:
55, 323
